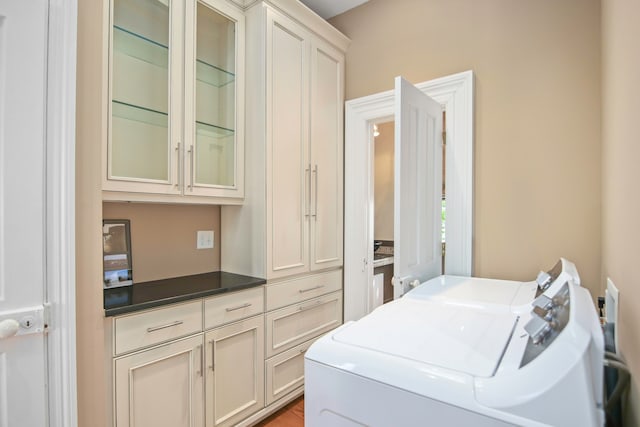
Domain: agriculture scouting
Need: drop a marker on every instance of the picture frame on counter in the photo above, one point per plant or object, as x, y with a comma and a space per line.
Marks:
116, 248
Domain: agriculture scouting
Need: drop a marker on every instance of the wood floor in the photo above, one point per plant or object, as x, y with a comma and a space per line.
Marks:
291, 415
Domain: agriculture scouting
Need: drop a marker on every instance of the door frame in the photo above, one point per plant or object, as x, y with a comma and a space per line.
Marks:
456, 94
60, 286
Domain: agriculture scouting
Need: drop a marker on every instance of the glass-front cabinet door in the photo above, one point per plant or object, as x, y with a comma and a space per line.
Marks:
144, 135
176, 88
214, 119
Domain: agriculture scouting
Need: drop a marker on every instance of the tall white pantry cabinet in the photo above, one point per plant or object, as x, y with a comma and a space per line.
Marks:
289, 229
292, 219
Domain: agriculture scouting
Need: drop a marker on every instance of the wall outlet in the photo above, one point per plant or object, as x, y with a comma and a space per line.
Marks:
205, 239
612, 299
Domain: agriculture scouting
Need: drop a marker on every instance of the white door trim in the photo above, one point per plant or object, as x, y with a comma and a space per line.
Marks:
455, 93
60, 212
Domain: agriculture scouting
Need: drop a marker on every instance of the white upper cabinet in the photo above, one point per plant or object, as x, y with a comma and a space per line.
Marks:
295, 97
288, 163
176, 107
326, 155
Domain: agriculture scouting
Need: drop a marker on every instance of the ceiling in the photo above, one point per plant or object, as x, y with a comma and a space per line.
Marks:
330, 8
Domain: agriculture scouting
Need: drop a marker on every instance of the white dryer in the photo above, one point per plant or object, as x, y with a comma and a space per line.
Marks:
464, 352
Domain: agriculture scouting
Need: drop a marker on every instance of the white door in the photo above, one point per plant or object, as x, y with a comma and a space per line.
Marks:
23, 361
418, 187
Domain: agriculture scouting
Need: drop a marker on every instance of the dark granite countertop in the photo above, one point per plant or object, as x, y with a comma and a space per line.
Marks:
141, 296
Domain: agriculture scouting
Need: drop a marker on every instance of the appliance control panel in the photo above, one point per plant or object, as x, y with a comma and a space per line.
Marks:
549, 316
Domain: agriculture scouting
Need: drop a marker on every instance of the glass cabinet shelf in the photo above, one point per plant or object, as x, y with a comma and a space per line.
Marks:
140, 47
139, 114
212, 131
213, 75
152, 52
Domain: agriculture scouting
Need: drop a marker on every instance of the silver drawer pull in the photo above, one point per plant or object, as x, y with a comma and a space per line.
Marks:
302, 291
245, 305
303, 350
302, 307
168, 325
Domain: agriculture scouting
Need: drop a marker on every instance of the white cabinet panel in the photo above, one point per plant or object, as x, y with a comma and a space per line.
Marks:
285, 372
298, 323
161, 387
234, 358
287, 147
327, 100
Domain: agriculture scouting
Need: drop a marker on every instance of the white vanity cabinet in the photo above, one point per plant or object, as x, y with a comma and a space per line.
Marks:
176, 92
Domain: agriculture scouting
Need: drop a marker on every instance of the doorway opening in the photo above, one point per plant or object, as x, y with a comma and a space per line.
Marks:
455, 94
383, 207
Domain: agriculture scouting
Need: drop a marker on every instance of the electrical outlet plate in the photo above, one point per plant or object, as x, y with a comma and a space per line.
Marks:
205, 239
612, 299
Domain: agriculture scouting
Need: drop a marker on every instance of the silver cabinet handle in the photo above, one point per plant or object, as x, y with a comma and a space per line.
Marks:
315, 196
168, 325
303, 308
302, 291
302, 350
213, 347
200, 348
245, 305
307, 184
179, 182
191, 171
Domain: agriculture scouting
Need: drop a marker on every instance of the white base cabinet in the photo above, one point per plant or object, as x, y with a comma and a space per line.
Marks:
161, 387
284, 373
235, 371
171, 371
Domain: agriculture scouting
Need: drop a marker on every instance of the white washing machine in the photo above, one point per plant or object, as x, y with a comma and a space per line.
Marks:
464, 352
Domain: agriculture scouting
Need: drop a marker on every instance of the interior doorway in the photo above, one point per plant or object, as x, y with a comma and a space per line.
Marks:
455, 94
383, 206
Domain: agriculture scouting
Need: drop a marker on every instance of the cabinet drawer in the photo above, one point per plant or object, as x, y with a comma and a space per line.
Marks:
231, 307
292, 291
155, 326
285, 372
298, 323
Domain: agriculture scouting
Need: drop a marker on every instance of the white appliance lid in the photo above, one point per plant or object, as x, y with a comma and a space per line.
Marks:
473, 290
460, 338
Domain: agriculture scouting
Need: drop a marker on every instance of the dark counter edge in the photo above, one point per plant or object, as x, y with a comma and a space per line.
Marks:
252, 282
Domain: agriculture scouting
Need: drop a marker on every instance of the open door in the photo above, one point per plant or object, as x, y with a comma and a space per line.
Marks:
418, 188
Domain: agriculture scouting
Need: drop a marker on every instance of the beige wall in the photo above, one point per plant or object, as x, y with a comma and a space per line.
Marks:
383, 182
163, 238
90, 349
621, 174
537, 121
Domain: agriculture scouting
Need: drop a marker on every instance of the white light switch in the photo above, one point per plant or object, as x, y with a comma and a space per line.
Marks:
205, 239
